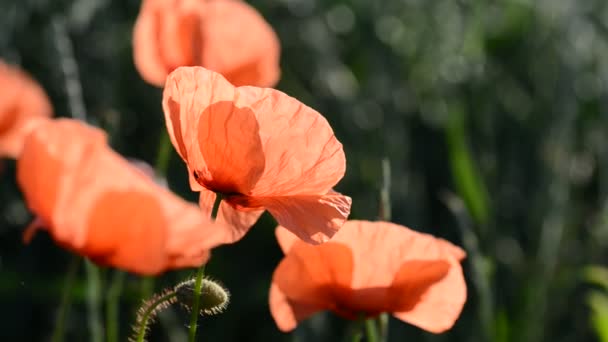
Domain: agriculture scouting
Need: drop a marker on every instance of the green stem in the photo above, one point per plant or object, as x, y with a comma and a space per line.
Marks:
143, 323
196, 303
64, 307
198, 282
383, 323
93, 299
112, 311
385, 191
371, 330
164, 154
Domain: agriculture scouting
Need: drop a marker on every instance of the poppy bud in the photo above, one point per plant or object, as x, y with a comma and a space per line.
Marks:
213, 300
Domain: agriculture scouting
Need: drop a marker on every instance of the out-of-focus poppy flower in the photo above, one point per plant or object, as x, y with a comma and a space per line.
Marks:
260, 149
23, 103
366, 269
227, 36
95, 203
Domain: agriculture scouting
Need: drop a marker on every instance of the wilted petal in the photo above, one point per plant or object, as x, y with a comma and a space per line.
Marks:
314, 219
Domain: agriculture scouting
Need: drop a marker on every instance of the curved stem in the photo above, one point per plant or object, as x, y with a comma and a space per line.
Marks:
143, 323
64, 307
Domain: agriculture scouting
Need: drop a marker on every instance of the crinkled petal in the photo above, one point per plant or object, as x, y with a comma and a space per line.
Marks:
314, 219
97, 204
188, 93
292, 149
303, 156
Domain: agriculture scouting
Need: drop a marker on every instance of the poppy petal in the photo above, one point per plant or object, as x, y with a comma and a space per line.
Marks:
230, 143
229, 24
306, 281
314, 219
188, 92
99, 205
239, 221
400, 243
234, 223
287, 313
23, 104
413, 279
285, 238
440, 306
169, 34
146, 50
303, 156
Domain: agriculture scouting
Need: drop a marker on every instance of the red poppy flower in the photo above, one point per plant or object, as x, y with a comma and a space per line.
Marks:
23, 103
227, 36
368, 268
260, 149
95, 203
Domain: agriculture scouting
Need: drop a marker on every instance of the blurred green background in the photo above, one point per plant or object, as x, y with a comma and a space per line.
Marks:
493, 115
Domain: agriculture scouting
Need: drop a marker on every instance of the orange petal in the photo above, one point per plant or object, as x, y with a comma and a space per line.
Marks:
303, 156
413, 280
97, 204
232, 223
291, 148
146, 49
231, 147
232, 24
306, 280
239, 221
169, 34
314, 219
439, 307
188, 92
285, 238
400, 243
23, 104
287, 313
